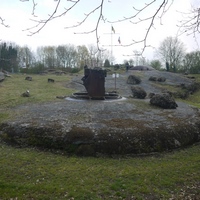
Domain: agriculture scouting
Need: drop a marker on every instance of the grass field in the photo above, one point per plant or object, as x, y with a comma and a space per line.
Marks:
40, 91
33, 174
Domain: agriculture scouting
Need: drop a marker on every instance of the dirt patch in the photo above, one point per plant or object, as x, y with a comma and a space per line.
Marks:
92, 127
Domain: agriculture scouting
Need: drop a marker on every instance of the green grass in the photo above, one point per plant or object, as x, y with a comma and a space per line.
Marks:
194, 99
40, 91
33, 174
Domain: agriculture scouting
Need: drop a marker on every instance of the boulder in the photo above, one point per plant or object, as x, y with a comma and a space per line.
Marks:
159, 79
152, 78
165, 101
28, 78
138, 92
151, 94
26, 94
194, 87
186, 90
50, 80
132, 79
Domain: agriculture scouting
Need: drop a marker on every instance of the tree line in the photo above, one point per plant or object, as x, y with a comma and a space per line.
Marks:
14, 57
171, 54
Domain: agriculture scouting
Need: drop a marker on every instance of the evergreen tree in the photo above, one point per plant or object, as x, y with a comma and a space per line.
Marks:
8, 57
107, 63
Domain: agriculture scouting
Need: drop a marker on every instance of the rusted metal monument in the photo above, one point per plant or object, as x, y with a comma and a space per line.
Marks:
94, 82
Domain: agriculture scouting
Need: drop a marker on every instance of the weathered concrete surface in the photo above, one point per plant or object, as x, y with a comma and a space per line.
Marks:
94, 127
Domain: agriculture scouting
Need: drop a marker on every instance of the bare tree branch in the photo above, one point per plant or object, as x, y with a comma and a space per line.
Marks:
41, 23
34, 7
190, 23
162, 9
100, 17
2, 22
134, 16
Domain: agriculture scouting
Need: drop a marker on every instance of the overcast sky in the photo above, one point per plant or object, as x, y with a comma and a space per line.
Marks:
18, 15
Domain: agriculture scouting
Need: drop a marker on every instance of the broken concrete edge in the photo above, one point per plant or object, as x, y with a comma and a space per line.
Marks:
84, 141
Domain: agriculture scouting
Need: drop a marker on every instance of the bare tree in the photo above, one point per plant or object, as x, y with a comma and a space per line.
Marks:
71, 56
49, 56
40, 55
61, 55
190, 23
25, 56
93, 52
82, 56
171, 51
66, 55
156, 64
138, 16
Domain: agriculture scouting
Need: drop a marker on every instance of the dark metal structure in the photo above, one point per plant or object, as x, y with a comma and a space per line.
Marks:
94, 82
